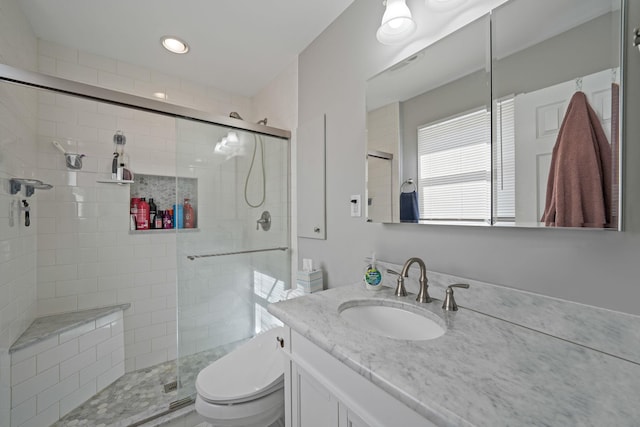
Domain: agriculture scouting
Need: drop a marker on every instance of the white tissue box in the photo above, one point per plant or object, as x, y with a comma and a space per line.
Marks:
310, 281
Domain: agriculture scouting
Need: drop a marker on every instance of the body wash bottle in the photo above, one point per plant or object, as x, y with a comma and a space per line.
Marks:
373, 277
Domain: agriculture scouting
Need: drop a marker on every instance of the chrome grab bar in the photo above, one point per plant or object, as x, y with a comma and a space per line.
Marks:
192, 257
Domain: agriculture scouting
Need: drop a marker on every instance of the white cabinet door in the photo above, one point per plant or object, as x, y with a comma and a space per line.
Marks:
311, 181
312, 404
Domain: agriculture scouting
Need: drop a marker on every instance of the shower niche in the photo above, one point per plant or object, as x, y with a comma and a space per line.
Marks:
162, 193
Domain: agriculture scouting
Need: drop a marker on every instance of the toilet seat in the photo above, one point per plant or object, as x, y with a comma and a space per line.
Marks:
246, 386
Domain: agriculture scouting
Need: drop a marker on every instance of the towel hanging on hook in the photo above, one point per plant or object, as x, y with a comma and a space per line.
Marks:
409, 210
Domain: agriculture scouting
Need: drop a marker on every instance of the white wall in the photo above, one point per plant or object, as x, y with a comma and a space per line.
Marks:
18, 124
597, 268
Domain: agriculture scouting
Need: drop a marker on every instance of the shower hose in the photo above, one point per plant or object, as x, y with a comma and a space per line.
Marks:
256, 138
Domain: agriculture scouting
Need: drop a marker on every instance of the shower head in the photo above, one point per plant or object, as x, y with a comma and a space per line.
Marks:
235, 115
263, 121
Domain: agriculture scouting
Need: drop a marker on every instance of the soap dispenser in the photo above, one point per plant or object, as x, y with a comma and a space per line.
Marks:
373, 277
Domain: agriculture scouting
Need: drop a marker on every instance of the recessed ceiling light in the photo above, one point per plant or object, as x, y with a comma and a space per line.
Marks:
174, 44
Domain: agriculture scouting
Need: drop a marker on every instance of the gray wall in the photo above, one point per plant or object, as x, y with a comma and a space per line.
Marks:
600, 268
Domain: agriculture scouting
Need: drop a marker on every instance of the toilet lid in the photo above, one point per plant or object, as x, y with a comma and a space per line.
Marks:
252, 370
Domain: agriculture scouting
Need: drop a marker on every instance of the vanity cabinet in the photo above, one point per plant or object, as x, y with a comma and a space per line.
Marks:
321, 391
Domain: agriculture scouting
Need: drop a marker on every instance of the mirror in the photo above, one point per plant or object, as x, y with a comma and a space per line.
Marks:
463, 131
535, 76
424, 96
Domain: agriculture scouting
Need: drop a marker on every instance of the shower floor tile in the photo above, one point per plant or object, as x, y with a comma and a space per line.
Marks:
140, 395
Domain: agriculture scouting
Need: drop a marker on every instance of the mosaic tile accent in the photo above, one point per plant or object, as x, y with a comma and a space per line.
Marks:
163, 190
140, 395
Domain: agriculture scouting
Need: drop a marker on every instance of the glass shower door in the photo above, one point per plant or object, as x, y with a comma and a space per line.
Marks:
235, 259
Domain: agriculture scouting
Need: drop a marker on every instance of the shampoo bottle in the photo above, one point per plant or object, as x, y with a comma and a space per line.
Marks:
153, 211
159, 221
373, 277
178, 216
167, 220
189, 216
142, 217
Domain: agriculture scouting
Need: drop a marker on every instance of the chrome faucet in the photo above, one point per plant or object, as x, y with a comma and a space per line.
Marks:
423, 294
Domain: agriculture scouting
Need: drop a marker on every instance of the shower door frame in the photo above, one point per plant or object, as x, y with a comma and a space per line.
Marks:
69, 87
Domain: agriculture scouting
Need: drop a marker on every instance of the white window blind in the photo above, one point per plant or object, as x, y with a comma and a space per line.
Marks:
505, 160
454, 167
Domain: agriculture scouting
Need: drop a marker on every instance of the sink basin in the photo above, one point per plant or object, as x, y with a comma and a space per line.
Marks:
390, 321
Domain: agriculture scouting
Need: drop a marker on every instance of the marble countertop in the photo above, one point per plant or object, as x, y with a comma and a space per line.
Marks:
482, 372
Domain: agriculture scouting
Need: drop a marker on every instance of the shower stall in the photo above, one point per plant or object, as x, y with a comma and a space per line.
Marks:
196, 290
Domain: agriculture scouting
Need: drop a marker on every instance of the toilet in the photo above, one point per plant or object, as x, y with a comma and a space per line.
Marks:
246, 386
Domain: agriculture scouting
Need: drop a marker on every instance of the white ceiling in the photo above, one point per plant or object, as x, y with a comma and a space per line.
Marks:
236, 45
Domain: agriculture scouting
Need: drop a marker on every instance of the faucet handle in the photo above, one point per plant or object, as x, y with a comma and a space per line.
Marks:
449, 303
400, 290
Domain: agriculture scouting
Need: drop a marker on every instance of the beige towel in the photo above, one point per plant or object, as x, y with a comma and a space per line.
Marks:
579, 184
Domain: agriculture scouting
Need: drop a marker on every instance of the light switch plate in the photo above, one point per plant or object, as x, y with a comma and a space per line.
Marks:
356, 205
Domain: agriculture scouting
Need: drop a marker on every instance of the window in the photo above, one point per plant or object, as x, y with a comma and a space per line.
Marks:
454, 168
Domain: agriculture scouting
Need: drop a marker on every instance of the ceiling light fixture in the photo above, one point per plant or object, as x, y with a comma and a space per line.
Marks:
397, 24
174, 44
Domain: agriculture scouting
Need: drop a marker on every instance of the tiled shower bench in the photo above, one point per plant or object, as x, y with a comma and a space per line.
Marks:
62, 360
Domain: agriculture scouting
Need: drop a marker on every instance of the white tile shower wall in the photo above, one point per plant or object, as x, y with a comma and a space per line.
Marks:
214, 291
85, 259
86, 256
52, 378
216, 300
18, 108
